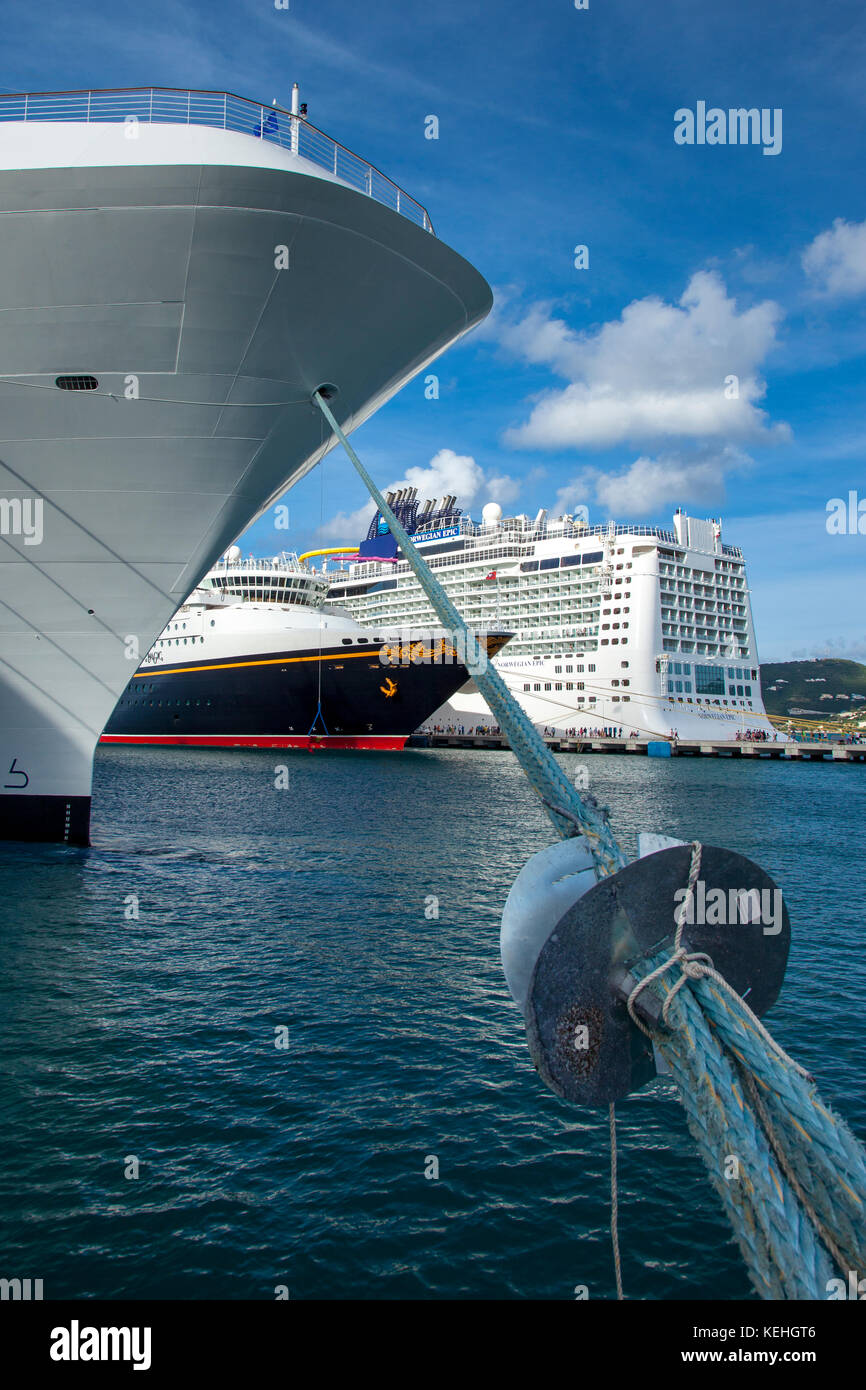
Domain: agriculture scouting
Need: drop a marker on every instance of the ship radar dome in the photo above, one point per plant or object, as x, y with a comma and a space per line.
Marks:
233, 553
491, 513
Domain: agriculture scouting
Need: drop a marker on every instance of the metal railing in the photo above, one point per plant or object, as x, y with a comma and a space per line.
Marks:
174, 106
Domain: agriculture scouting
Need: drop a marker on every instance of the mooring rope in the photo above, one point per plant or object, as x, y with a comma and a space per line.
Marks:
796, 1190
614, 1204
570, 815
790, 1174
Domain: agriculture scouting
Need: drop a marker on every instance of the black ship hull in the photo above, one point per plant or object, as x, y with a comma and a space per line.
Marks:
335, 698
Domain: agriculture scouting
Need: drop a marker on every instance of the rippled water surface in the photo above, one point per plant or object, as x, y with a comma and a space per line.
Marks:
304, 908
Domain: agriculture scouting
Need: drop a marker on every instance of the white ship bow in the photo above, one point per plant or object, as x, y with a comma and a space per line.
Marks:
180, 271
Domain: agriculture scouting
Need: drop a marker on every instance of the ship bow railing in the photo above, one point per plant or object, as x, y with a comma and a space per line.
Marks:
134, 106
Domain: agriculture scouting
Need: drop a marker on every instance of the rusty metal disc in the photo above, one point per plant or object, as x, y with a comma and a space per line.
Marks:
584, 1044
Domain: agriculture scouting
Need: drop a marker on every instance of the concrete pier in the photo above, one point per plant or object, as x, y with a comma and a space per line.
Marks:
684, 748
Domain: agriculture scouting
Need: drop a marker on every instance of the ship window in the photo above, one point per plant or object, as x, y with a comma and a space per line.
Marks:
709, 680
551, 563
212, 623
748, 690
547, 685
76, 383
528, 566
570, 560
347, 641
527, 686
536, 686
580, 685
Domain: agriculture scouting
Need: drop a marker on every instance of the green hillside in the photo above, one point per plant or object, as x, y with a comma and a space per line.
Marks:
799, 685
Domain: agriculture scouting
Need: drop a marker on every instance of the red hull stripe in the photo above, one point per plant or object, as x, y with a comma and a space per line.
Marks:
369, 741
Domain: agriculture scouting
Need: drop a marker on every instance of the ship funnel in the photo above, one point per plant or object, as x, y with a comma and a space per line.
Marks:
541, 517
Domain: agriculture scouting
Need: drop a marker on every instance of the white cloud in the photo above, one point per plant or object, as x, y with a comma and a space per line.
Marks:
836, 259
446, 473
659, 373
652, 483
348, 527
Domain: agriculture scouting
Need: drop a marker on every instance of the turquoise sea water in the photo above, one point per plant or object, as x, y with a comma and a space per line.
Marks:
304, 908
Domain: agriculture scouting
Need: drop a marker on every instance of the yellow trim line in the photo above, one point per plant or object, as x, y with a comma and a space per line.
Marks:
489, 642
271, 661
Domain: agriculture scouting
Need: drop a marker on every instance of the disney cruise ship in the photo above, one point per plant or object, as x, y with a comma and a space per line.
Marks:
616, 626
181, 270
257, 658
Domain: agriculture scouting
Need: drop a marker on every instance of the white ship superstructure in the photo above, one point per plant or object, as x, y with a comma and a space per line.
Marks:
180, 271
616, 626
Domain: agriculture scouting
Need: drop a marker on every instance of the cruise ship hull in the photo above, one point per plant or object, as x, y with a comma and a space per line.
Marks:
291, 699
207, 284
645, 718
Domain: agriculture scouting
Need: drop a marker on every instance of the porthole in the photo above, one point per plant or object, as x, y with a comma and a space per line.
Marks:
76, 383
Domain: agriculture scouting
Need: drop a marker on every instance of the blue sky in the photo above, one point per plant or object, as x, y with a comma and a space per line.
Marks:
556, 129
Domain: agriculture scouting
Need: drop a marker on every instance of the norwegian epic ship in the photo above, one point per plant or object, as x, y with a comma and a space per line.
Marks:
615, 626
180, 271
256, 658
